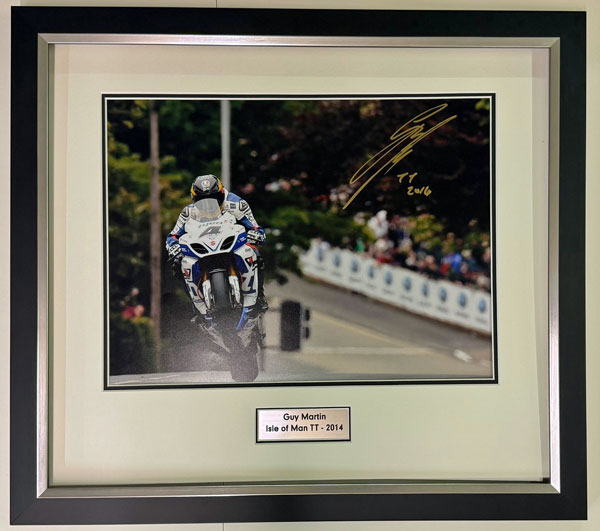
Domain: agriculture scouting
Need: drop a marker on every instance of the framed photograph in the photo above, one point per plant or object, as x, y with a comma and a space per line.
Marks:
333, 267
248, 227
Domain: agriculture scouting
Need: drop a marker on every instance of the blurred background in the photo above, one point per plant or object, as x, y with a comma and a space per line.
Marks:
378, 275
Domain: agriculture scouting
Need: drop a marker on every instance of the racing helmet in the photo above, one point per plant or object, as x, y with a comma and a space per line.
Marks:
207, 186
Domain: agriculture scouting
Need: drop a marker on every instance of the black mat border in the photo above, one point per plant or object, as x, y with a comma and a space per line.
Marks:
381, 381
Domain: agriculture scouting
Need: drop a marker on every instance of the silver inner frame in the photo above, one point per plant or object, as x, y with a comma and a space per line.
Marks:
375, 486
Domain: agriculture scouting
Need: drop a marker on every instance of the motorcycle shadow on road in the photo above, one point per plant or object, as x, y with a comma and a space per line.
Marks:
187, 347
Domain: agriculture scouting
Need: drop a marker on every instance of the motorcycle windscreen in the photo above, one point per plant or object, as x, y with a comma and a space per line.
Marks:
206, 210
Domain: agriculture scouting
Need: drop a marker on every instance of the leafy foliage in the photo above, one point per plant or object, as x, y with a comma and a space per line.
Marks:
289, 232
132, 347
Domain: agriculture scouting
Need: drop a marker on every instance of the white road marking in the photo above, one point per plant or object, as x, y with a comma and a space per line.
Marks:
462, 356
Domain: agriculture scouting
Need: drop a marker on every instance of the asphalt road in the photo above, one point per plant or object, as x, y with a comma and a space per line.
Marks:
352, 338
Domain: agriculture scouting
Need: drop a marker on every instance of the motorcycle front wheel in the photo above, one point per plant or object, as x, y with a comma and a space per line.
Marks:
220, 291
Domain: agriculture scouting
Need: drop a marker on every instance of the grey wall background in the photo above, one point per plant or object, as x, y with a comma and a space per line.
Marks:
593, 253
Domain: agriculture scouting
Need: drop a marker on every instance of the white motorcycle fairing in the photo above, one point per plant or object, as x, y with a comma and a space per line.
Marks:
205, 239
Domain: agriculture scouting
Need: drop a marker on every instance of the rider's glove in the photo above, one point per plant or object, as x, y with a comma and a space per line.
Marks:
255, 237
175, 252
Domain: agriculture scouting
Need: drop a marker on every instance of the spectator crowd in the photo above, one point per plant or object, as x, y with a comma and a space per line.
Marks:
420, 244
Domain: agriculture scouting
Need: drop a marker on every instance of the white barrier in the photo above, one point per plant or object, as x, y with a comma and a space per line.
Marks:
438, 299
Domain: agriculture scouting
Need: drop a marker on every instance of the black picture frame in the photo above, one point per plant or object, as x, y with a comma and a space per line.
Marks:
32, 504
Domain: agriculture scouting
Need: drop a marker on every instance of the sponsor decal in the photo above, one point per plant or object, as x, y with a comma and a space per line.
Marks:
337, 260
354, 266
462, 300
371, 271
407, 283
482, 306
442, 294
389, 278
425, 289
320, 254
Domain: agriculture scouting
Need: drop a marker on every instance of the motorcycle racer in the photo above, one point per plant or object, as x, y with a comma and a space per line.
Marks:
210, 186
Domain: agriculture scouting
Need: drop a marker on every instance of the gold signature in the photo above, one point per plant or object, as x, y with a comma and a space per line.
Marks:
383, 161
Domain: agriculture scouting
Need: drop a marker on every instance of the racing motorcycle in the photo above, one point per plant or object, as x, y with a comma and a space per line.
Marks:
220, 269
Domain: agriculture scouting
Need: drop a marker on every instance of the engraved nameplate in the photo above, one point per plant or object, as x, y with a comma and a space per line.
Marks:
303, 424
